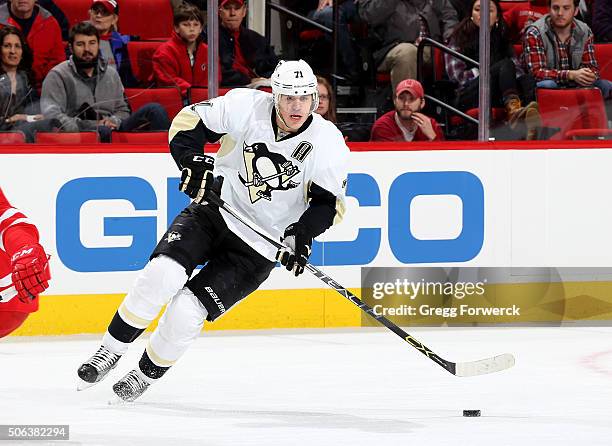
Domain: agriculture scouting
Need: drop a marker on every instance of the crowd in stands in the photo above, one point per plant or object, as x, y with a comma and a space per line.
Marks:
510, 87
68, 67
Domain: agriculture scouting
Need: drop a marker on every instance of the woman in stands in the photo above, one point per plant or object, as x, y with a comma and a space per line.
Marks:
19, 102
327, 109
507, 81
104, 15
327, 100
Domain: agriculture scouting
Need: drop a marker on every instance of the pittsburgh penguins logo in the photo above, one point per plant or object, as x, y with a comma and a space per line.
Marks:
266, 171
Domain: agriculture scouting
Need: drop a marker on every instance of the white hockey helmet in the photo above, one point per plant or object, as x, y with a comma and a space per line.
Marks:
294, 78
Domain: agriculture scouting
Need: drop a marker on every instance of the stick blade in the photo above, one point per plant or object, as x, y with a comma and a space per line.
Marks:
484, 366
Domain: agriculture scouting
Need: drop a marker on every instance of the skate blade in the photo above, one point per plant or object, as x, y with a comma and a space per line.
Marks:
116, 400
82, 385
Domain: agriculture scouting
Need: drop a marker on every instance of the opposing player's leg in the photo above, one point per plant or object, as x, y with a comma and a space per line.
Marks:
235, 272
188, 242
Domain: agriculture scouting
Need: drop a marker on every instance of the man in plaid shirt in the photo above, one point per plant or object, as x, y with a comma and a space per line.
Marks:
558, 50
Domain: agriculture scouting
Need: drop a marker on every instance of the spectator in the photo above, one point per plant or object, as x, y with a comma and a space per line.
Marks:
327, 100
400, 25
406, 122
183, 60
245, 55
522, 15
56, 12
324, 14
558, 50
200, 4
19, 104
602, 20
504, 86
41, 31
104, 15
85, 93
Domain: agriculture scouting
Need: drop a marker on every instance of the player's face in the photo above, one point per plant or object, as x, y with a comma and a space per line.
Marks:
562, 13
232, 14
323, 107
476, 13
294, 110
85, 47
102, 19
406, 104
189, 30
11, 51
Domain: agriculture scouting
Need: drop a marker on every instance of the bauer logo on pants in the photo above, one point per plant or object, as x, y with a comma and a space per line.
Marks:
216, 299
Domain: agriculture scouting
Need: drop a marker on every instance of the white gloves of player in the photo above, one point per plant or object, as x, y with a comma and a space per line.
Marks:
197, 175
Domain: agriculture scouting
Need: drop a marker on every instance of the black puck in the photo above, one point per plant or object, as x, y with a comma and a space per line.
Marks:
471, 413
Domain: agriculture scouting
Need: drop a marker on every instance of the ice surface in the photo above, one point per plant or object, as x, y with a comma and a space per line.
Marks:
327, 387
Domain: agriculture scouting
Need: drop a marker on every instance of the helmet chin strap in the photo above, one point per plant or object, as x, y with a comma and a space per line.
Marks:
278, 113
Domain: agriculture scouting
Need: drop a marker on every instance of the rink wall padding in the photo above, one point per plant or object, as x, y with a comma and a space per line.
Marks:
308, 308
101, 209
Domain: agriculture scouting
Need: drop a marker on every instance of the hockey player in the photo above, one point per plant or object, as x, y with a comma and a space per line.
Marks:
279, 164
24, 268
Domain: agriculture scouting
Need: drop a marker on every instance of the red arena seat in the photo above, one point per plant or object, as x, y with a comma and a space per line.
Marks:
576, 112
140, 137
75, 10
508, 5
148, 19
199, 94
141, 59
311, 34
12, 138
603, 54
66, 138
170, 98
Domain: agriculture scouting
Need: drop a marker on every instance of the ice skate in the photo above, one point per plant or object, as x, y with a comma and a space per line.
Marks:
96, 368
130, 387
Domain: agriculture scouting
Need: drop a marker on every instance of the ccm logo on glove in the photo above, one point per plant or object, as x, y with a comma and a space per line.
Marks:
30, 271
197, 176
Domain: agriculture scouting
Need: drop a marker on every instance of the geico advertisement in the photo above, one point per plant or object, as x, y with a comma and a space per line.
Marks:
100, 215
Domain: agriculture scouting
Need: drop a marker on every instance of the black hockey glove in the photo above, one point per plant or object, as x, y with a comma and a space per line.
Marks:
298, 243
197, 176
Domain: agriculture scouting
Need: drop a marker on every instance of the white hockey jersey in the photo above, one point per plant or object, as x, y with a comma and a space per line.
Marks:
268, 180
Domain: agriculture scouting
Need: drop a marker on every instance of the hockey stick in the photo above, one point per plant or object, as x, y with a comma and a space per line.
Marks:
471, 368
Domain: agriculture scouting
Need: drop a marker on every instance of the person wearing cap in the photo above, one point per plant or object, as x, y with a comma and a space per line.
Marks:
182, 61
245, 55
104, 15
407, 123
42, 33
